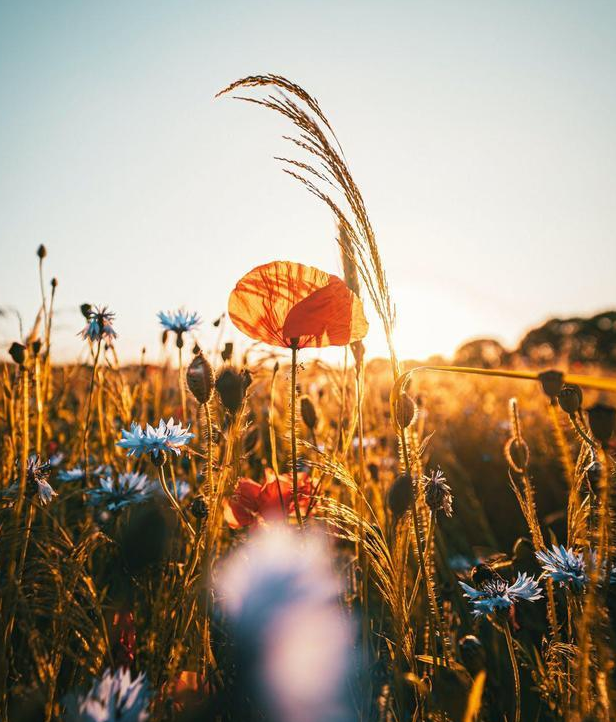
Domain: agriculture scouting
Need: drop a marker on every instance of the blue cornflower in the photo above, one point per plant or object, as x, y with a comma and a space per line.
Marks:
565, 566
130, 488
111, 698
167, 436
496, 594
179, 321
78, 474
67, 475
99, 325
37, 475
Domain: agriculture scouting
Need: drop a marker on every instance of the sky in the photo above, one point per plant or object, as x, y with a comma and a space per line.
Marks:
482, 135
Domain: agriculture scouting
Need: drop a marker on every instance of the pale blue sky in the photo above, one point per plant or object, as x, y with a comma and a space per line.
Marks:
482, 134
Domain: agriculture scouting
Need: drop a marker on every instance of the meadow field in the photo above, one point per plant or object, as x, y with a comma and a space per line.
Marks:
255, 534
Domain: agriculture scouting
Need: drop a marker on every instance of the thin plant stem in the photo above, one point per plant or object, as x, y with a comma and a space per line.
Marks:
418, 546
210, 449
173, 501
86, 431
270, 422
363, 560
181, 381
298, 513
516, 672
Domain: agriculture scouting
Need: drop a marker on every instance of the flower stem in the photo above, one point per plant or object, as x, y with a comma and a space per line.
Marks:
173, 501
210, 450
86, 431
419, 550
516, 672
182, 388
298, 513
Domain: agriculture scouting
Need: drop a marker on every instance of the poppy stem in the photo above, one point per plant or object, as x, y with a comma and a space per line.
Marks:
298, 513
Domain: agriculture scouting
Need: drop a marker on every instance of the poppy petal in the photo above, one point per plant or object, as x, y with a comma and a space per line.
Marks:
284, 301
330, 316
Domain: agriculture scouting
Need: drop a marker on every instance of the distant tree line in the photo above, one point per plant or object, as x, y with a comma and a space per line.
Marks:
570, 341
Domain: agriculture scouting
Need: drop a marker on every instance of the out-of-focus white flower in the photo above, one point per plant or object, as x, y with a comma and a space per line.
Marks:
294, 642
113, 698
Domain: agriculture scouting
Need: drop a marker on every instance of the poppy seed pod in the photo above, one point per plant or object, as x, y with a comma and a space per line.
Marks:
36, 346
551, 382
308, 412
85, 309
405, 411
41, 251
17, 352
200, 379
602, 420
570, 398
231, 386
54, 283
199, 508
400, 495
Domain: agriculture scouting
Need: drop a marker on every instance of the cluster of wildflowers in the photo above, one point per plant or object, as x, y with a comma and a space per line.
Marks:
114, 494
496, 594
167, 436
99, 325
114, 697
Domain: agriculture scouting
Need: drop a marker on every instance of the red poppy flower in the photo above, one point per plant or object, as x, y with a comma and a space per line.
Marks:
284, 303
123, 638
254, 503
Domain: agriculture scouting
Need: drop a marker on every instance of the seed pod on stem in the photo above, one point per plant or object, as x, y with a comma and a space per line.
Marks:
200, 379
